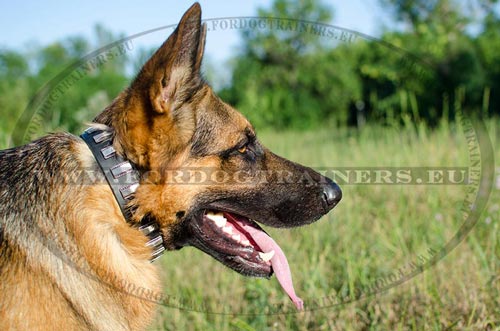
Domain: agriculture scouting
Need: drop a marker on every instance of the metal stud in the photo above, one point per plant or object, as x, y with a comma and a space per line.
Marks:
108, 152
155, 241
127, 191
121, 169
100, 137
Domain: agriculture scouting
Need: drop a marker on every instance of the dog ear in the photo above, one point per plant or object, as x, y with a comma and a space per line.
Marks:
172, 74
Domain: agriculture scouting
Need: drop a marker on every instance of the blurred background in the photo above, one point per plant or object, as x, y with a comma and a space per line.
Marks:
365, 83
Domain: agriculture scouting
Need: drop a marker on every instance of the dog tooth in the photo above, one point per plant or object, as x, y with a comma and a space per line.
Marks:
236, 237
267, 256
221, 222
218, 218
215, 214
245, 242
211, 214
227, 229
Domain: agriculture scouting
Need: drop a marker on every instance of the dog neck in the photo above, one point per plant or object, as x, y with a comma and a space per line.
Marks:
123, 179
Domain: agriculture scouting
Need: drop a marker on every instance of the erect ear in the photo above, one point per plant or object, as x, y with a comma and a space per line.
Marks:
173, 72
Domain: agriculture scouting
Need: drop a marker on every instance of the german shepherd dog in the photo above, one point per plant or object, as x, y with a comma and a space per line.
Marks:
70, 250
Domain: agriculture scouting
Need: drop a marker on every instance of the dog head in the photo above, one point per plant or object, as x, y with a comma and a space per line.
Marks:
207, 178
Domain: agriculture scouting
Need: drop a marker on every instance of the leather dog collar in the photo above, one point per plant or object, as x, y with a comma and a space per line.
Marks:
123, 178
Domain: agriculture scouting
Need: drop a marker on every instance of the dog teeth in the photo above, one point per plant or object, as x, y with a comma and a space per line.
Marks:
245, 242
227, 229
266, 256
218, 218
220, 222
236, 237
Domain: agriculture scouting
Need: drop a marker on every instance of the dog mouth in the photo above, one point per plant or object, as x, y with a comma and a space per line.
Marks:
241, 244
225, 236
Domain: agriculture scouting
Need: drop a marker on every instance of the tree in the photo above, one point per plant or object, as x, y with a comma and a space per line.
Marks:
285, 76
22, 74
439, 32
488, 44
14, 86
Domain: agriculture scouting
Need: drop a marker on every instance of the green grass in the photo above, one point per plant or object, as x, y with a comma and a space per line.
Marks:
375, 231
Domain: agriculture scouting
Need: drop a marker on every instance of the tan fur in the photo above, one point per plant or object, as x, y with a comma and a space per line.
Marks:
89, 272
83, 284
68, 257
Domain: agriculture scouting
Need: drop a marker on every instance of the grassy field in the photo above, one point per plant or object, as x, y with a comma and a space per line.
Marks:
375, 234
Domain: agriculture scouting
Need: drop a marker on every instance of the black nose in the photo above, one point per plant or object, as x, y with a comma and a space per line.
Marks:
331, 193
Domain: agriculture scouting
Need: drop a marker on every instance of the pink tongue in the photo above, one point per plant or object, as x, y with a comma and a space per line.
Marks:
278, 262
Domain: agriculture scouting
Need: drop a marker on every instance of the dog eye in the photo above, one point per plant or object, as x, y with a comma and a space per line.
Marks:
242, 149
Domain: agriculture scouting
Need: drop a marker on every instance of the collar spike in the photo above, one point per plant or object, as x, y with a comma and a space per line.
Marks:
123, 179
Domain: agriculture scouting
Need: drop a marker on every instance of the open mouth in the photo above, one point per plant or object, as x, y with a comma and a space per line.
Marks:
241, 244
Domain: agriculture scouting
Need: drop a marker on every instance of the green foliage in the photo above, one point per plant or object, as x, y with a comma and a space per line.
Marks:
488, 45
289, 74
448, 58
14, 86
80, 98
287, 77
283, 77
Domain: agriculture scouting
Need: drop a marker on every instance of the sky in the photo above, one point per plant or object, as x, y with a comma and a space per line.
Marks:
29, 23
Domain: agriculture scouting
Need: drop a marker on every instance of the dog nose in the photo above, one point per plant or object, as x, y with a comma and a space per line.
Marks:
331, 193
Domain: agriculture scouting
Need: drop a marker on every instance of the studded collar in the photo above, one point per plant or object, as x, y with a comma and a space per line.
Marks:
123, 179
